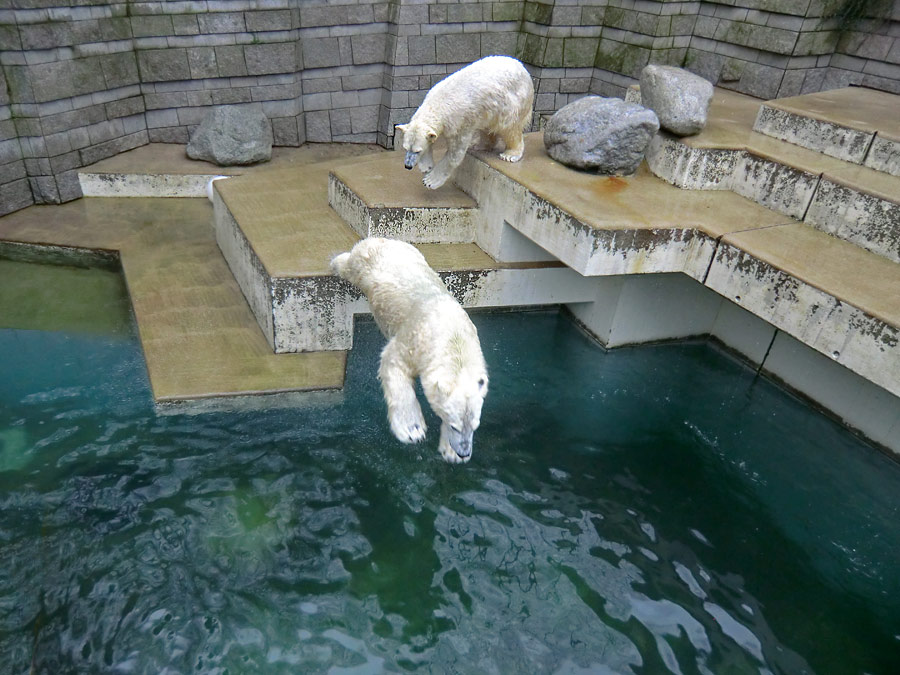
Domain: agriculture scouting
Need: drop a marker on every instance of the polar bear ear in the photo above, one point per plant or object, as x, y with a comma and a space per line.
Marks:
402, 127
431, 135
444, 382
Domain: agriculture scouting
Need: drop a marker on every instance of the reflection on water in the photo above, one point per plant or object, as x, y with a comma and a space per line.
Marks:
640, 511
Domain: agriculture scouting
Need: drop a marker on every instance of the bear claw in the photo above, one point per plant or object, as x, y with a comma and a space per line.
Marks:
433, 182
511, 157
408, 433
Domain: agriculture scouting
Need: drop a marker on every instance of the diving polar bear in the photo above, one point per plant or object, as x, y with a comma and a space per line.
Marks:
429, 335
489, 100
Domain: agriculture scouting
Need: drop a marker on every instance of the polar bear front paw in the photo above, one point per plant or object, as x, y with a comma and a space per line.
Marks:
433, 180
511, 156
408, 426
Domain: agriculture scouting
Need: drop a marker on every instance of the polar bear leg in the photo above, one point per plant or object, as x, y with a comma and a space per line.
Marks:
456, 152
488, 141
404, 411
426, 160
515, 145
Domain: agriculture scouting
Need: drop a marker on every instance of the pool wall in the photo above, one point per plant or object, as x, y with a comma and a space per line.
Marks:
639, 309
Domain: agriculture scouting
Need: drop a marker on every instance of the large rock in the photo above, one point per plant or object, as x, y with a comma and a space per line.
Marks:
679, 98
604, 134
230, 135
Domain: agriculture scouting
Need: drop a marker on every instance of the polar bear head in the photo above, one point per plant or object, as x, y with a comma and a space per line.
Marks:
418, 137
456, 393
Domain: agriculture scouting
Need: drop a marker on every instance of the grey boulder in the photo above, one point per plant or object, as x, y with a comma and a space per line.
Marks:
231, 135
606, 135
679, 98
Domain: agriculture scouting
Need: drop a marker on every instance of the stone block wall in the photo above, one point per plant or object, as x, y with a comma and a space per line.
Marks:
868, 54
775, 49
81, 80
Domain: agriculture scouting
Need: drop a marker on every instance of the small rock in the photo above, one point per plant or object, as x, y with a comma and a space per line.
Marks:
604, 134
633, 94
679, 98
232, 135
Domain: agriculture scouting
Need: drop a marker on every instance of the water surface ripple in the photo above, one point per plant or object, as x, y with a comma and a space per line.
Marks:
652, 510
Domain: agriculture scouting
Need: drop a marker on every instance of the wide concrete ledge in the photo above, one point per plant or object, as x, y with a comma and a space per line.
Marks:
165, 170
198, 335
842, 123
600, 225
811, 287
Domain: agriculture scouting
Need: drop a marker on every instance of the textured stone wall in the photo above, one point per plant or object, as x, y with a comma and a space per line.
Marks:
868, 54
777, 48
81, 80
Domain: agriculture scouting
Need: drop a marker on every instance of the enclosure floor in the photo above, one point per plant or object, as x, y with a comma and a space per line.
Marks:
200, 338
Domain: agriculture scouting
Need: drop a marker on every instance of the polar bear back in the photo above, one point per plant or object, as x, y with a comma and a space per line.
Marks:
493, 93
396, 279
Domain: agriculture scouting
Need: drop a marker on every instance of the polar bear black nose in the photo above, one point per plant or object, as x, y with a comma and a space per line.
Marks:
411, 159
464, 449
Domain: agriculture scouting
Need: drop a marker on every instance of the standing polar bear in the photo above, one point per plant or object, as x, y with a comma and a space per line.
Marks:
429, 336
490, 100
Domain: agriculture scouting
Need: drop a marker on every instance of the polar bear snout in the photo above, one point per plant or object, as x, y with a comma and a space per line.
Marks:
461, 442
455, 445
411, 159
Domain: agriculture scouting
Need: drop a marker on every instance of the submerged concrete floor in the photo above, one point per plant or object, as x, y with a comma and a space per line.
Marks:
200, 338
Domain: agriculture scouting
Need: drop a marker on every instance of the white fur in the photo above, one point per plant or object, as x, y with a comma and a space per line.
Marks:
430, 336
489, 101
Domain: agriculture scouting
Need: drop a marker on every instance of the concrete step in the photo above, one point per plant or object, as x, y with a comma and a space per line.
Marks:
155, 170
164, 169
379, 198
852, 202
854, 124
278, 234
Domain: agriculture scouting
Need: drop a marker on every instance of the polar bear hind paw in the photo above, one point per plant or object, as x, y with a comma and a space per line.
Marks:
512, 156
408, 426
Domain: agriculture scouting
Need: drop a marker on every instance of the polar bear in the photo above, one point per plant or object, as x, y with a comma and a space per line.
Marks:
489, 100
429, 335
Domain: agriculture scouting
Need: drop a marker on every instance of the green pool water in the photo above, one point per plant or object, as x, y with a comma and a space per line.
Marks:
649, 510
